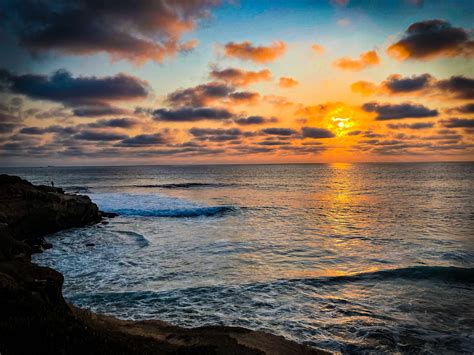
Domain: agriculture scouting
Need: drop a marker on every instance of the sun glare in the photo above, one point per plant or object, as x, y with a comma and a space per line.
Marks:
340, 121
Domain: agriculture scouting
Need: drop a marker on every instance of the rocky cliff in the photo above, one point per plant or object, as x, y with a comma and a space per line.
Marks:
35, 318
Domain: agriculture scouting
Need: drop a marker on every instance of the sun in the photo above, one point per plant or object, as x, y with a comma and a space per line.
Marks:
340, 121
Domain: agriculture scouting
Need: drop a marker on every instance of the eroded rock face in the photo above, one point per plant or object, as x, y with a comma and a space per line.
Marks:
34, 211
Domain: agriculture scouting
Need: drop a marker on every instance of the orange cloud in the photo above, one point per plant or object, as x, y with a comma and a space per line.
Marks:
287, 83
364, 88
240, 77
317, 48
258, 54
365, 60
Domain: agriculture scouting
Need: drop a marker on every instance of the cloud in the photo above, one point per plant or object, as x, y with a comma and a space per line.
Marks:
188, 114
144, 140
464, 109
51, 129
205, 94
279, 131
398, 111
244, 97
286, 82
396, 83
134, 30
364, 87
254, 120
367, 59
200, 95
459, 87
216, 134
99, 136
458, 123
417, 125
239, 77
317, 48
114, 123
98, 110
62, 87
32, 130
8, 127
430, 39
455, 87
258, 54
316, 133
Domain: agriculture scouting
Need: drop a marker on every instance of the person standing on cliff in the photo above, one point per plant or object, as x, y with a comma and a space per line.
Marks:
52, 184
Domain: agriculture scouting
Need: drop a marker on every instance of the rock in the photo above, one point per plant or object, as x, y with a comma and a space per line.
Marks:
34, 211
108, 214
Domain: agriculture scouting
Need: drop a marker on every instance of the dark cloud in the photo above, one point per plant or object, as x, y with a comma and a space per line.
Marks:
417, 125
244, 97
239, 77
199, 132
62, 87
398, 84
99, 136
8, 127
458, 86
279, 131
144, 140
114, 123
398, 111
464, 109
313, 132
216, 134
372, 134
51, 129
32, 130
98, 110
455, 87
191, 114
135, 30
254, 120
458, 122
432, 38
273, 142
199, 95
354, 133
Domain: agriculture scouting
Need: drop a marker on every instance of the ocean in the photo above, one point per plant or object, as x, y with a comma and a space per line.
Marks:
352, 258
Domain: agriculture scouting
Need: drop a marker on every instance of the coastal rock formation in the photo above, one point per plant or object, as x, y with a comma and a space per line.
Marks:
34, 211
35, 318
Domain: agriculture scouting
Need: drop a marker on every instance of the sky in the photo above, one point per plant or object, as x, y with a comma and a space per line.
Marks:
107, 82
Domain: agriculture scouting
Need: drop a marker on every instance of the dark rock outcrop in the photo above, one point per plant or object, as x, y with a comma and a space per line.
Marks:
34, 211
35, 318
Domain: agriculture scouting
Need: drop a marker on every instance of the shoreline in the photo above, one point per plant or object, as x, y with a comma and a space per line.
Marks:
36, 316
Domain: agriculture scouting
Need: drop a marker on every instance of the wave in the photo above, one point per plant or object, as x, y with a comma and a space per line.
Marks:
190, 212
155, 205
139, 239
442, 273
